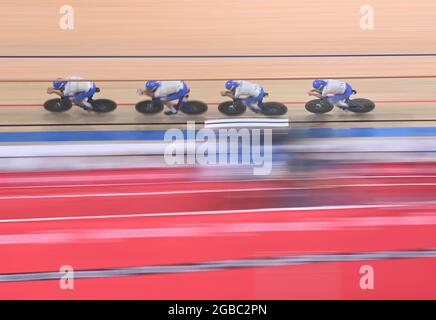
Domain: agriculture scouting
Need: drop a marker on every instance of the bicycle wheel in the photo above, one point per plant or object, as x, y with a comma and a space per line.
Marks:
194, 107
104, 105
149, 107
232, 108
274, 109
361, 105
319, 106
58, 105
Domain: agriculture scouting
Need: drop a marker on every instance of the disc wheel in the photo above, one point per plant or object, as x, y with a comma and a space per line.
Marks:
361, 105
319, 106
149, 107
274, 109
58, 105
194, 107
232, 108
104, 105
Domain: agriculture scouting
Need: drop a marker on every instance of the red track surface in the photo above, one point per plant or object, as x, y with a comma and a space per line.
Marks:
131, 227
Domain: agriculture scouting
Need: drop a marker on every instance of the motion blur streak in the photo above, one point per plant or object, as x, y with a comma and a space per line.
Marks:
176, 218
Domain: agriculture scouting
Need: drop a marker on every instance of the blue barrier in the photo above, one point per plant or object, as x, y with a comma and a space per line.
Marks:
158, 135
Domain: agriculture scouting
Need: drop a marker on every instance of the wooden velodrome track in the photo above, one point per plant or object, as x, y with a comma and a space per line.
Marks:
135, 40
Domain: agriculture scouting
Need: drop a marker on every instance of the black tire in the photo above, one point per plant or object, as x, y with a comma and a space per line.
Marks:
361, 105
58, 105
149, 107
274, 109
232, 108
104, 105
319, 106
194, 107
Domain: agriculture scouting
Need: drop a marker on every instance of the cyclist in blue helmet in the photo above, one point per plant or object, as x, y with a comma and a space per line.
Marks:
74, 88
172, 94
59, 85
231, 85
250, 94
337, 92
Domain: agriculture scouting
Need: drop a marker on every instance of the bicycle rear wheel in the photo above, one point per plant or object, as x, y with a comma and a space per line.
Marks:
194, 107
149, 106
361, 105
104, 105
274, 109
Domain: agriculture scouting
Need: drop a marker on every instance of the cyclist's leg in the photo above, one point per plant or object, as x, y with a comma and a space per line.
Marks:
180, 97
255, 103
90, 95
170, 106
84, 99
260, 97
341, 100
81, 100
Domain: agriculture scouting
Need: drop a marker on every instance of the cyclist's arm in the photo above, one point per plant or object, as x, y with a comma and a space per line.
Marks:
325, 91
52, 90
228, 94
145, 92
315, 93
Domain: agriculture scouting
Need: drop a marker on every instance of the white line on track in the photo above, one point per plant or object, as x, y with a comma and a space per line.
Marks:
210, 181
215, 229
134, 194
217, 212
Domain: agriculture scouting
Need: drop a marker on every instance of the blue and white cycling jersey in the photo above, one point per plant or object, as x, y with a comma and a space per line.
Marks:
171, 90
79, 90
247, 89
337, 91
249, 93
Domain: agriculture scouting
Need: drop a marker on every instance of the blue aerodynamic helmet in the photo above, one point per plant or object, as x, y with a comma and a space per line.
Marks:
231, 85
58, 85
319, 84
152, 85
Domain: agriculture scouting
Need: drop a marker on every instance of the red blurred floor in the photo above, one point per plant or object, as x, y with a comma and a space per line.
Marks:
142, 234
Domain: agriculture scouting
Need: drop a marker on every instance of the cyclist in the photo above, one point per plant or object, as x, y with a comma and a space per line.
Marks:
171, 93
79, 92
337, 92
250, 94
